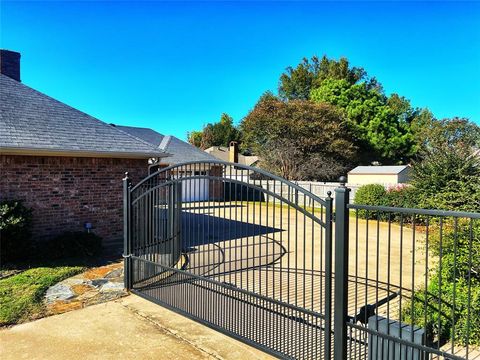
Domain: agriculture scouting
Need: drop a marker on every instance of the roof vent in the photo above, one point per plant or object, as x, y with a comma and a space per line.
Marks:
165, 142
10, 64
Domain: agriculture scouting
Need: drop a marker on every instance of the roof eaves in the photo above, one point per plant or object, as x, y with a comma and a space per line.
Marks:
81, 153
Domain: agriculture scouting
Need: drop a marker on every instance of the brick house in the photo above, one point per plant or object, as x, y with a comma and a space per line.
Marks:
64, 164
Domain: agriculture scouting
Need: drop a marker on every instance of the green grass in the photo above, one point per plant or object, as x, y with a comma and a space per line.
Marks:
21, 295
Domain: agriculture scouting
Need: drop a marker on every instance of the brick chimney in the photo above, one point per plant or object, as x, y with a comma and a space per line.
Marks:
10, 64
233, 152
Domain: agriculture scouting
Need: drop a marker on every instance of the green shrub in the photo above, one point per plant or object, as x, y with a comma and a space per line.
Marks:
402, 195
71, 245
456, 283
15, 231
456, 195
371, 194
447, 314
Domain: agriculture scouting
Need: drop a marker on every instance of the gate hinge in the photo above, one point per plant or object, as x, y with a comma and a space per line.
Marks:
127, 256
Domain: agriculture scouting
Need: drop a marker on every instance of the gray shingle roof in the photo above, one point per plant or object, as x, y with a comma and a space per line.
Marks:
32, 121
180, 150
396, 169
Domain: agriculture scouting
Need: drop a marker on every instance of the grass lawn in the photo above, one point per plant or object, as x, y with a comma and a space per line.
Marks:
21, 295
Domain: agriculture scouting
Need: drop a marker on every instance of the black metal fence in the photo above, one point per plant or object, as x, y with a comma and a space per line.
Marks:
414, 286
256, 263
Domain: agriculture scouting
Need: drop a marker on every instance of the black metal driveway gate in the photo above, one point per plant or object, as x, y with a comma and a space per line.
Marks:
240, 250
250, 254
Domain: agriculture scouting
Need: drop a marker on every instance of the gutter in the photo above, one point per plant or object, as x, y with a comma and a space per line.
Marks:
82, 153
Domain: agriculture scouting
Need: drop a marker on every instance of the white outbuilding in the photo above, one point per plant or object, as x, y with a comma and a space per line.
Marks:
385, 175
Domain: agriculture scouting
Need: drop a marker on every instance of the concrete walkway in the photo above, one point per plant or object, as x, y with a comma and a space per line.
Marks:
127, 328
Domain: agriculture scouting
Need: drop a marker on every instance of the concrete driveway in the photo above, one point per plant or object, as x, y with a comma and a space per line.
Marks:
127, 328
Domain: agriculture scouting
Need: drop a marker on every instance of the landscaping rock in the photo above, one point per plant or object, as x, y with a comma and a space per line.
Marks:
98, 282
94, 286
81, 289
73, 281
96, 273
59, 291
60, 307
117, 273
112, 286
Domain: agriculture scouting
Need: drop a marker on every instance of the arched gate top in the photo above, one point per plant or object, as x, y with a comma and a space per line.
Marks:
225, 164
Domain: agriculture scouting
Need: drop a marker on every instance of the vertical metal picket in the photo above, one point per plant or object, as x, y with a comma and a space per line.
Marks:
342, 195
328, 276
127, 252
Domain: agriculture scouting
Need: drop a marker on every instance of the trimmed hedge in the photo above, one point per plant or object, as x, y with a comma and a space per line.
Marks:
401, 195
371, 194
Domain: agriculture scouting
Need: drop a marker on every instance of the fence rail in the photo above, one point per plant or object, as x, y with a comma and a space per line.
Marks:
317, 188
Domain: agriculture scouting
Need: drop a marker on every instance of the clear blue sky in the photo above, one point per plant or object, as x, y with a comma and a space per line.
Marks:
175, 66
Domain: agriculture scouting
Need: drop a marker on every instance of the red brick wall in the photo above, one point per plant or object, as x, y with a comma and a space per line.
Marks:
65, 192
216, 186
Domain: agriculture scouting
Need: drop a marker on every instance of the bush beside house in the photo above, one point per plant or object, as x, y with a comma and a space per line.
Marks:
15, 231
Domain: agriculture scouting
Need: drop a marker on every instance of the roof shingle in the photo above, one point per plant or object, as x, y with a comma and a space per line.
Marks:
180, 150
33, 121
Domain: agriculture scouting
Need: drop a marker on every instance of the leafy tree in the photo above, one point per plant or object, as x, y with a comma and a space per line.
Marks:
215, 134
298, 139
195, 138
431, 134
381, 125
297, 83
448, 168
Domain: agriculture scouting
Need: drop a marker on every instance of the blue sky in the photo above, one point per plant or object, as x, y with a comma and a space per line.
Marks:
176, 66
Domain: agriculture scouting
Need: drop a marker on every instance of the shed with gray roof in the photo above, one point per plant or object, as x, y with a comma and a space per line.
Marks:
385, 175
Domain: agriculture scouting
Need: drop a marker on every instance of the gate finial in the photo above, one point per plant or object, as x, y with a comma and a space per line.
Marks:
343, 180
126, 176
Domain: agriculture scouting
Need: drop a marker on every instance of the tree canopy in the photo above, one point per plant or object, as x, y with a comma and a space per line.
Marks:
381, 125
298, 139
330, 116
447, 170
215, 134
296, 83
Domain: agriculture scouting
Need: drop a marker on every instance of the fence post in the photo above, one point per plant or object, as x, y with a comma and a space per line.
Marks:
342, 196
127, 249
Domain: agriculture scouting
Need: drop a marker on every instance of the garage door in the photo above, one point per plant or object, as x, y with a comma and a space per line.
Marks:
195, 190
